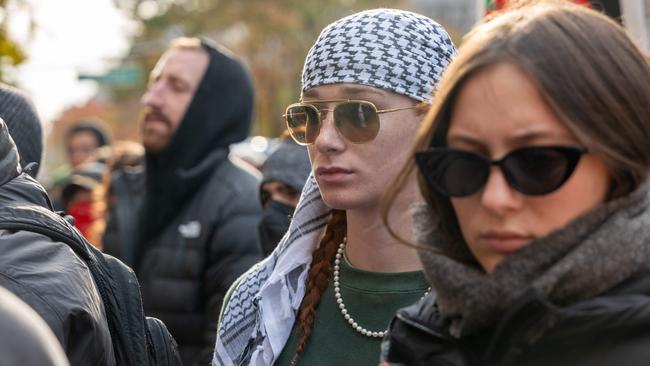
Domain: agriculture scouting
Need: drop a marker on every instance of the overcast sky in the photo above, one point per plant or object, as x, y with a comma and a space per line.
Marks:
71, 36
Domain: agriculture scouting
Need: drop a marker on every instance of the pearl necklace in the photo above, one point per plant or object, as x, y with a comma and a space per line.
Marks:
339, 297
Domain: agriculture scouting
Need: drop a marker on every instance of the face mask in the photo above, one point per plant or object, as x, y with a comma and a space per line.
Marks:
274, 223
84, 216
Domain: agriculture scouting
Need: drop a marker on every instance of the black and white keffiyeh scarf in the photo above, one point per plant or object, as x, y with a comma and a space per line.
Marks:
259, 316
396, 50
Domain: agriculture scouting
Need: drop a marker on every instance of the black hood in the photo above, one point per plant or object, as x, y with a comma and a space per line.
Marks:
219, 115
9, 159
14, 186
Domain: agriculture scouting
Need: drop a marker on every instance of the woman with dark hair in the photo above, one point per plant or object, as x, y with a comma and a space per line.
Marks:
328, 291
534, 163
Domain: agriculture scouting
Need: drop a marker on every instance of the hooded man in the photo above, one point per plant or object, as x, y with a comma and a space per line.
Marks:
196, 229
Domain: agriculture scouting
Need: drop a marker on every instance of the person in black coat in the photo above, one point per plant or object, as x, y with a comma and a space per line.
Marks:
284, 173
46, 274
195, 226
534, 164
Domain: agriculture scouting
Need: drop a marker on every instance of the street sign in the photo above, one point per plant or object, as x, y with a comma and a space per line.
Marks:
124, 77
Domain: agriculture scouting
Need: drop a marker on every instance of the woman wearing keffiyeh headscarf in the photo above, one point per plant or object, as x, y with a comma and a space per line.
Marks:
329, 290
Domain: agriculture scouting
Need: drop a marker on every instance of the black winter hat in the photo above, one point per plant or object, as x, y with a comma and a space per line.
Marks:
23, 124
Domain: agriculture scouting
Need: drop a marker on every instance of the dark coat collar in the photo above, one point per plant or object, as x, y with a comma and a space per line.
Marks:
532, 328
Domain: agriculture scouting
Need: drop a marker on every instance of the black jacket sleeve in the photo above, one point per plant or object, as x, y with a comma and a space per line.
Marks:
50, 278
234, 248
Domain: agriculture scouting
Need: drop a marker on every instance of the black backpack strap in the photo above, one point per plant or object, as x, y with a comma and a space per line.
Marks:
45, 222
164, 347
136, 340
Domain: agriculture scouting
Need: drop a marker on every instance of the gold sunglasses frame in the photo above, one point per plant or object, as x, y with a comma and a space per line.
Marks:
311, 103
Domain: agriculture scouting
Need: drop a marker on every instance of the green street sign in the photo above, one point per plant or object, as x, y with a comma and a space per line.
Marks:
125, 76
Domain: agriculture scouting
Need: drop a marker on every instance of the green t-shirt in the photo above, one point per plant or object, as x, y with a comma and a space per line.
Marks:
372, 299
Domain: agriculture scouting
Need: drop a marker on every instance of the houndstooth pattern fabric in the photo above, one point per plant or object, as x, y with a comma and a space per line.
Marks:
259, 316
390, 49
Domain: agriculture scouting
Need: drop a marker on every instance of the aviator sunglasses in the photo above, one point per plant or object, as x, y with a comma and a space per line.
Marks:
355, 120
536, 170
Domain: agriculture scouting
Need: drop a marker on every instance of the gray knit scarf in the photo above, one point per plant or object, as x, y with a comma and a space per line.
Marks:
589, 256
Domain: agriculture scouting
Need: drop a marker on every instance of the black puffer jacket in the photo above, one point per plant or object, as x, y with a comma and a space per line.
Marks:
197, 225
612, 329
47, 274
122, 232
579, 296
187, 270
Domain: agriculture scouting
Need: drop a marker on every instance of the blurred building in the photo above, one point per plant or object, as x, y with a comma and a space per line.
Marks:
457, 16
636, 19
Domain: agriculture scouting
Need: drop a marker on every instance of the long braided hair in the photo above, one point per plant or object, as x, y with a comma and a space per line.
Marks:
318, 277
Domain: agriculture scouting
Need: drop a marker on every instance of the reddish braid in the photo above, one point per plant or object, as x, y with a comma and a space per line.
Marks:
319, 276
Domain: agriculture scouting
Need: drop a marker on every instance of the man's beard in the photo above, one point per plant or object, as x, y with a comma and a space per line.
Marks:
153, 139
